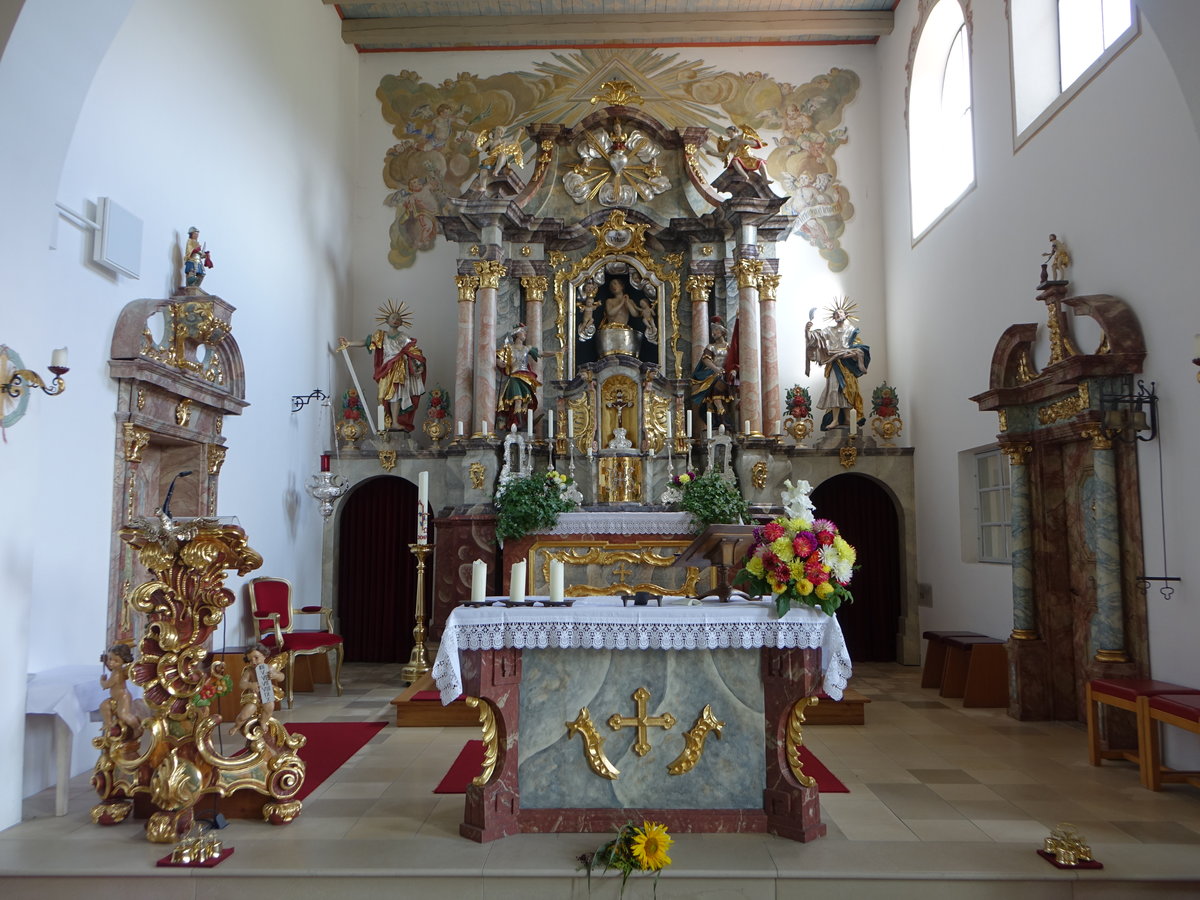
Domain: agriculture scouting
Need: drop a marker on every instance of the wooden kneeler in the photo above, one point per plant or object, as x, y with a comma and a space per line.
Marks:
976, 670
1126, 694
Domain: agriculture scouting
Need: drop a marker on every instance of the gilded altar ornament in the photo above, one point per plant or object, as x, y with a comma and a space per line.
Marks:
467, 286
189, 325
477, 471
141, 399
491, 739
617, 93
437, 417
136, 440
706, 250
593, 745
748, 272
177, 761
1003, 416
618, 560
641, 721
1067, 846
693, 741
795, 740
526, 250
490, 272
216, 458
758, 475
183, 413
387, 459
474, 250
1067, 407
848, 455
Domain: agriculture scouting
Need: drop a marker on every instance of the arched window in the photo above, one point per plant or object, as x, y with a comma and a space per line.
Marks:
941, 140
1057, 47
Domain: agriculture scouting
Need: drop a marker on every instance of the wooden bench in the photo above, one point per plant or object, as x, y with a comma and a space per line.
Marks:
1125, 694
419, 706
1181, 710
935, 656
976, 670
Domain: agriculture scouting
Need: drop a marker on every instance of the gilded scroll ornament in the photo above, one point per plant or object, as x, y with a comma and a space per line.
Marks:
1003, 414
654, 420
1018, 454
491, 739
593, 745
476, 472
641, 721
616, 168
795, 740
136, 440
848, 456
218, 423
583, 418
1068, 406
216, 458
1025, 371
183, 413
467, 286
387, 459
758, 475
693, 741
617, 93
141, 399
490, 272
599, 556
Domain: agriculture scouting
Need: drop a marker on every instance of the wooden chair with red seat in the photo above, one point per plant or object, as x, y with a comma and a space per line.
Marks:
271, 608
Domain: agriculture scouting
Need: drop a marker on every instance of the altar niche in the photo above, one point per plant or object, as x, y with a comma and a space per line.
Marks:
618, 312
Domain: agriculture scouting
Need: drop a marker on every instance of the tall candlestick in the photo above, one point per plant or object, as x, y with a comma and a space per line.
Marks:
689, 423
550, 424
423, 508
478, 580
556, 581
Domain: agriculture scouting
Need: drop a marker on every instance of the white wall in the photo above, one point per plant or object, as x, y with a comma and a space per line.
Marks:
238, 120
428, 286
1115, 176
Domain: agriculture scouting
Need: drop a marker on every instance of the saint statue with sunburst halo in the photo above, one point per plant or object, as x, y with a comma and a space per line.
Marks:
839, 348
399, 366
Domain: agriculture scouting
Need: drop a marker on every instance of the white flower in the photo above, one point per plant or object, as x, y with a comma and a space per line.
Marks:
841, 567
796, 502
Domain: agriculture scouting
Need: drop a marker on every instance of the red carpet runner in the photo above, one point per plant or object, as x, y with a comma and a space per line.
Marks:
328, 746
470, 762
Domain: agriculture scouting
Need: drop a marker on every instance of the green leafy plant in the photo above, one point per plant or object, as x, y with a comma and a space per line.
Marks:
529, 503
712, 500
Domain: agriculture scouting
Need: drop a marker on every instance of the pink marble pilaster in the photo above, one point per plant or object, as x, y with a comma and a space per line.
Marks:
788, 676
749, 364
493, 810
464, 371
772, 403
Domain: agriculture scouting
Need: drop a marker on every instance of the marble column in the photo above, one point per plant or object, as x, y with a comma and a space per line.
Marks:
698, 288
535, 294
748, 272
1025, 626
772, 404
1108, 623
464, 368
490, 272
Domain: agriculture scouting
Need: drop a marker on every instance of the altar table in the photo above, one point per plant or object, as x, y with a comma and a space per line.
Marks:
706, 705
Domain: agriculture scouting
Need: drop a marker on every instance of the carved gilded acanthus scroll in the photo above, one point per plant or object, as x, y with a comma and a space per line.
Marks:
654, 419
610, 556
582, 419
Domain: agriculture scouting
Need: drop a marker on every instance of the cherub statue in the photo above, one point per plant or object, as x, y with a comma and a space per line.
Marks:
736, 146
257, 684
1057, 259
587, 308
496, 152
119, 708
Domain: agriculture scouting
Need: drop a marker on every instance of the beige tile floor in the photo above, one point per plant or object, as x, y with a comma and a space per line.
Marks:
943, 801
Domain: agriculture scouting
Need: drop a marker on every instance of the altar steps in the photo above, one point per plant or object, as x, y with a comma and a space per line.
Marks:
417, 706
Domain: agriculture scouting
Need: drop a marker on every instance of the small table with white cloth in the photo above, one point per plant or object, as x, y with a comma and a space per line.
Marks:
689, 715
70, 694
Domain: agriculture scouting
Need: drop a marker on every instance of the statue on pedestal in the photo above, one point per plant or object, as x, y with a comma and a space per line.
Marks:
845, 357
196, 260
712, 385
1057, 260
399, 365
518, 389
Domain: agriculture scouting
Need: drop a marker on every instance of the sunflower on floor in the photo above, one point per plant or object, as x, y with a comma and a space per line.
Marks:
632, 850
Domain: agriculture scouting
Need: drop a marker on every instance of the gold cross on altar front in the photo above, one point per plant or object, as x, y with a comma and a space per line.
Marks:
641, 721
621, 571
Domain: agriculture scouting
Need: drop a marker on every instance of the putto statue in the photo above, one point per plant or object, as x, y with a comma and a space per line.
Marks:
399, 365
496, 153
735, 148
845, 357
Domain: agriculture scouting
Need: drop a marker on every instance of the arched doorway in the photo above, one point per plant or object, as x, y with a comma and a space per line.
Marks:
376, 572
866, 517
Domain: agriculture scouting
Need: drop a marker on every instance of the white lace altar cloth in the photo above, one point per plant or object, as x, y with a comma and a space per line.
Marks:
602, 623
602, 522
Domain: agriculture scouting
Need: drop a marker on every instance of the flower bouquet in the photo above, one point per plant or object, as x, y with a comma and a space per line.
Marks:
799, 559
632, 850
885, 409
531, 502
798, 420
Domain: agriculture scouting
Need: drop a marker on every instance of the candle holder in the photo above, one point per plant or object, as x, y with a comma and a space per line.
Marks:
418, 661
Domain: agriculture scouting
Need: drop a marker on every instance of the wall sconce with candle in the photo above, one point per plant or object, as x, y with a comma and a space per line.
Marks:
16, 381
1127, 415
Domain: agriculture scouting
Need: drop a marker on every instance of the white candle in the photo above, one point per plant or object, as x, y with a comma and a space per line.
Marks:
478, 580
556, 581
422, 507
779, 426
570, 425
58, 358
550, 424
689, 423
382, 418
670, 426
853, 421
483, 429
746, 427
708, 422
460, 428
529, 423
516, 582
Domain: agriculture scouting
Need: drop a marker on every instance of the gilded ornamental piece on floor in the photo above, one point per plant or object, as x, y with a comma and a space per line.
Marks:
795, 740
176, 762
1067, 846
693, 741
593, 745
641, 721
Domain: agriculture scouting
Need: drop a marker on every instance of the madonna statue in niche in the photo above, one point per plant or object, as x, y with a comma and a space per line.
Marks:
618, 315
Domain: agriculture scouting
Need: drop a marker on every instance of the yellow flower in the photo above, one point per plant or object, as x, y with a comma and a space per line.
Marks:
796, 525
755, 566
797, 569
685, 478
776, 585
845, 550
650, 845
783, 548
804, 586
824, 589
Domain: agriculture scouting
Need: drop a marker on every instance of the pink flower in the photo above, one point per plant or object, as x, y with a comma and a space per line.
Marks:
804, 544
773, 531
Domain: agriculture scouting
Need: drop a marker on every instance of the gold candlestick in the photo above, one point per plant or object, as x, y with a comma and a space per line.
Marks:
418, 662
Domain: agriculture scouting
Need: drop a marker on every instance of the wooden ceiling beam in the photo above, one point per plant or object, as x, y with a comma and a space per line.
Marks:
459, 31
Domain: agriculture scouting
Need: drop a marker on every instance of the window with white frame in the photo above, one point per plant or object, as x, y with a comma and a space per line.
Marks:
941, 139
994, 506
1057, 47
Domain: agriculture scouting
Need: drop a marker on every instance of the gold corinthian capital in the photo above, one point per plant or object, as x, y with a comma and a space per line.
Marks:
490, 272
748, 272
